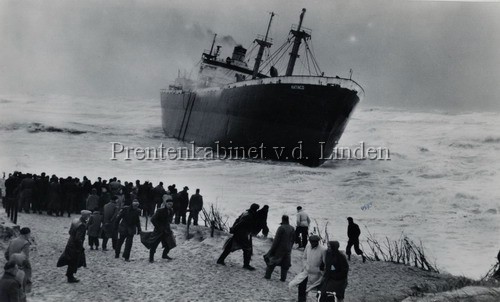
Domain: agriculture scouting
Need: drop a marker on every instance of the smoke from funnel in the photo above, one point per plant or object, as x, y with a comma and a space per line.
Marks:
228, 40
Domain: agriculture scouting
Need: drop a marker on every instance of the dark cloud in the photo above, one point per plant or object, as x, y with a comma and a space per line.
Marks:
419, 54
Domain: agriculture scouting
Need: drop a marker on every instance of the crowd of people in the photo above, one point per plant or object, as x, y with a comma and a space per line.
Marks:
110, 210
32, 193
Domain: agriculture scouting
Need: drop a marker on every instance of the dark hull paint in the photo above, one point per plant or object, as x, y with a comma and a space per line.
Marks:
276, 116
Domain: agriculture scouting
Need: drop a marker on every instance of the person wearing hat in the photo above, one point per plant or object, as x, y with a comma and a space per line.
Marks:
10, 288
281, 250
334, 280
183, 203
74, 253
129, 224
313, 260
353, 233
242, 237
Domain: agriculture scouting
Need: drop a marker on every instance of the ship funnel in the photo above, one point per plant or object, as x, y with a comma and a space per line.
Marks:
239, 53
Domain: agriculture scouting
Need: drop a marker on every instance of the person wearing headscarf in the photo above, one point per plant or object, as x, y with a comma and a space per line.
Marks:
281, 249
129, 224
242, 237
311, 275
334, 280
74, 253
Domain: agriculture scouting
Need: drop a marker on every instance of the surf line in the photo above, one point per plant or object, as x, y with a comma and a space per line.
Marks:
361, 152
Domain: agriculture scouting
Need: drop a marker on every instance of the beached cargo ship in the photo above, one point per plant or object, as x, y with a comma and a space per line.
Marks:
236, 107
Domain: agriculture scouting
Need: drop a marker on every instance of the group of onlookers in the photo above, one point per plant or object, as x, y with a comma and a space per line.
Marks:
57, 195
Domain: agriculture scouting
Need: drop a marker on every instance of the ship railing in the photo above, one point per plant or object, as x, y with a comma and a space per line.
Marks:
310, 80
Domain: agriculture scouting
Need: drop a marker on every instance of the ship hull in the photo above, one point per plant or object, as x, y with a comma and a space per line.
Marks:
287, 122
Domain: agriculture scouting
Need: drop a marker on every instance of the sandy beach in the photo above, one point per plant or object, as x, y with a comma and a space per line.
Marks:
193, 275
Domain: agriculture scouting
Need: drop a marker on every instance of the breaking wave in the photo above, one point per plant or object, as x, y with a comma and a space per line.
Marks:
39, 127
490, 140
463, 145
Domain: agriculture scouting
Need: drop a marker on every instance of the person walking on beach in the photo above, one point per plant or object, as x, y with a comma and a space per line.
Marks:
162, 232
129, 224
195, 206
94, 229
310, 276
335, 277
74, 253
109, 229
242, 237
301, 232
353, 233
281, 250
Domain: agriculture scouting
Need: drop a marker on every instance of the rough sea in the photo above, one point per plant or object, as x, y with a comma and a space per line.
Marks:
440, 186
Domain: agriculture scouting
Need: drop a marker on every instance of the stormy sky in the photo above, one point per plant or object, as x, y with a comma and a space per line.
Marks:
412, 54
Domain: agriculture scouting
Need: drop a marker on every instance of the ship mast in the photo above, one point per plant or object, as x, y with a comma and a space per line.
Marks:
262, 45
298, 35
213, 43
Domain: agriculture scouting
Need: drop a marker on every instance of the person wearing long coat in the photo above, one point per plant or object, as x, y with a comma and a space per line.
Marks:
162, 232
195, 206
94, 229
242, 237
55, 202
74, 253
335, 278
182, 200
129, 224
109, 229
281, 250
311, 275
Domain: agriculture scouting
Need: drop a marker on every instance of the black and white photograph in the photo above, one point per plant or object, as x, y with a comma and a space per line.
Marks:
280, 150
